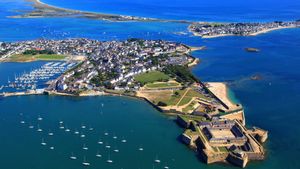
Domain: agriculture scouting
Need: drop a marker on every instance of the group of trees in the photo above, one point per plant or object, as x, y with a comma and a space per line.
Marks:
181, 73
38, 52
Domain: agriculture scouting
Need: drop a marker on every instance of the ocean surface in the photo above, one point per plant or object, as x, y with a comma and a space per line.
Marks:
270, 103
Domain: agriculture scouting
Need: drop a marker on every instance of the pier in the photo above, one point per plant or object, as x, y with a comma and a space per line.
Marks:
25, 93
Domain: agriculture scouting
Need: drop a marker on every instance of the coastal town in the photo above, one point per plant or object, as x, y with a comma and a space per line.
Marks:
158, 72
210, 30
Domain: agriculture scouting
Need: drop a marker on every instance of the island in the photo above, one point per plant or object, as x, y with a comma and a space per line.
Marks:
213, 30
158, 72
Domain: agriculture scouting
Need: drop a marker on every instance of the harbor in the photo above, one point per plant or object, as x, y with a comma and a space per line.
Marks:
35, 80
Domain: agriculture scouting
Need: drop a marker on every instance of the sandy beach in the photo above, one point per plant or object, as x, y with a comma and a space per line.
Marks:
253, 34
269, 30
220, 90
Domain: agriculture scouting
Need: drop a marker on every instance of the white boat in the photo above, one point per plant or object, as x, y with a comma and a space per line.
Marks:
31, 126
85, 163
157, 160
76, 132
50, 133
51, 148
82, 135
100, 142
116, 150
98, 155
141, 149
43, 143
39, 129
85, 147
67, 130
124, 141
22, 122
108, 146
91, 128
115, 137
166, 167
106, 134
109, 160
40, 118
83, 126
72, 157
61, 126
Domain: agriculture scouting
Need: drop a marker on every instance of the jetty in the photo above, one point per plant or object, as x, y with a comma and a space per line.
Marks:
24, 93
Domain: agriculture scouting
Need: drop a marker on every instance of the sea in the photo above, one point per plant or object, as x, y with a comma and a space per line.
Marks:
136, 133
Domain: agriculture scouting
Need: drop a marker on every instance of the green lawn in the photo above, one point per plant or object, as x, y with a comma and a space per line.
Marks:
49, 57
29, 57
151, 77
162, 85
184, 101
188, 108
169, 98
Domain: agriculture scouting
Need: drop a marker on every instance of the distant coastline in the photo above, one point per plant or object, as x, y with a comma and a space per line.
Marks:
215, 30
42, 9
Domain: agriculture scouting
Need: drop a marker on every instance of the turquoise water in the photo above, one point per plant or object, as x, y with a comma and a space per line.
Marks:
270, 103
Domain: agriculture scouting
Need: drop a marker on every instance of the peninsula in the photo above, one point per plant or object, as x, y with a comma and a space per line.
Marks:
41, 9
158, 72
213, 30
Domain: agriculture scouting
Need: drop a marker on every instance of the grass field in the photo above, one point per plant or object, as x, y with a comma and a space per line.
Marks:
189, 95
162, 85
151, 77
50, 57
166, 96
28, 58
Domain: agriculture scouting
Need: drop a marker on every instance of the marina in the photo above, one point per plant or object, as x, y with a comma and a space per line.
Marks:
36, 78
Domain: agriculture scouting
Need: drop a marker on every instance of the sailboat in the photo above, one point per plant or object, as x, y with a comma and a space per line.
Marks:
50, 133
67, 130
31, 126
72, 157
43, 143
40, 118
109, 160
157, 160
76, 132
98, 155
85, 163
99, 141
39, 129
84, 147
61, 126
